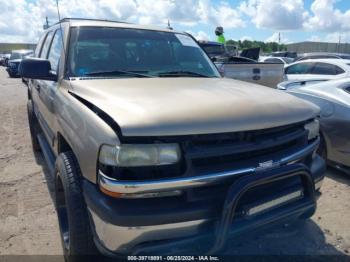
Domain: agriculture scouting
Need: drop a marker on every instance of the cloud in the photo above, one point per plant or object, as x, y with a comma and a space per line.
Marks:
276, 15
274, 38
325, 17
22, 21
249, 38
201, 35
291, 15
314, 38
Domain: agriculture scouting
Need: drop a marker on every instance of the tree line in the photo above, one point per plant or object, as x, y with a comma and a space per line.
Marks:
264, 47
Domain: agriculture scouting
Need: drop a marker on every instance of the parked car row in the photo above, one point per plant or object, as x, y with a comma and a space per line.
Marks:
4, 59
245, 66
15, 60
306, 56
277, 67
12, 61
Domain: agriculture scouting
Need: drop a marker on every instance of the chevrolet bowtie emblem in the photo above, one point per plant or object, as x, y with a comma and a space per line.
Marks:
267, 165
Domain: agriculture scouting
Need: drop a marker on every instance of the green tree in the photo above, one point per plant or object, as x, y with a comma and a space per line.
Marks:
264, 47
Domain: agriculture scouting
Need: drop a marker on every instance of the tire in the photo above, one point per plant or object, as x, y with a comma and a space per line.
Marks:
33, 126
75, 230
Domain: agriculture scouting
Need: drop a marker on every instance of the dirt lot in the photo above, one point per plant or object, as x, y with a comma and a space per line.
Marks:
28, 223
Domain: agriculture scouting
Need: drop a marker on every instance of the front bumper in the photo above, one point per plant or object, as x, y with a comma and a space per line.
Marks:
118, 232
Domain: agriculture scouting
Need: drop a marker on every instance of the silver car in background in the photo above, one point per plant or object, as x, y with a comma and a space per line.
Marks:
333, 97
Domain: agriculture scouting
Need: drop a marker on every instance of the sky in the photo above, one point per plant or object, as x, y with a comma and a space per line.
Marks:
21, 21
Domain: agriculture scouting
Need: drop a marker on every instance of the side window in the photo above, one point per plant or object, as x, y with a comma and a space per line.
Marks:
55, 50
347, 89
301, 68
39, 45
339, 70
326, 69
273, 60
45, 48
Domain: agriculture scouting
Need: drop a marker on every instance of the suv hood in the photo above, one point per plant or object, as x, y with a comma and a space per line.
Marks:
184, 106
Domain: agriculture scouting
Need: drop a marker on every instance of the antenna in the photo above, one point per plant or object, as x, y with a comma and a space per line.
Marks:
46, 25
169, 26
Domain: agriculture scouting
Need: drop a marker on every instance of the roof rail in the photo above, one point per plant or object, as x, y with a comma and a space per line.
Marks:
67, 19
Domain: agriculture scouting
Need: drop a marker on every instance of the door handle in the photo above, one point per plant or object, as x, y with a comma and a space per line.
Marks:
37, 87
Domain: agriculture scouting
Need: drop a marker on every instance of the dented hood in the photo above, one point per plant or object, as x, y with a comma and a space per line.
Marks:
184, 106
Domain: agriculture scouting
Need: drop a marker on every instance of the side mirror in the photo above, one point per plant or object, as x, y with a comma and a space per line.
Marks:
36, 68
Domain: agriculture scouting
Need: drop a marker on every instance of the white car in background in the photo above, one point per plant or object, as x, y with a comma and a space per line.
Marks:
277, 60
326, 69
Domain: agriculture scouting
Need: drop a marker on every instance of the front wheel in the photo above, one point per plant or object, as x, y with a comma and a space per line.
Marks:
75, 231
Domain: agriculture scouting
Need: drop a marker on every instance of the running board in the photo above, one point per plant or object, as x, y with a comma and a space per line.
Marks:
47, 152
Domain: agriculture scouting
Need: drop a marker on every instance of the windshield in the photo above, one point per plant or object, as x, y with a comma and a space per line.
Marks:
114, 51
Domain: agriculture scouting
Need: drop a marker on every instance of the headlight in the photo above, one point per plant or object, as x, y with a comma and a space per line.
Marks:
131, 155
314, 129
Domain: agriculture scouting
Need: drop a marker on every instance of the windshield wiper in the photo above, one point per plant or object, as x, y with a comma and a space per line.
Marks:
181, 73
117, 72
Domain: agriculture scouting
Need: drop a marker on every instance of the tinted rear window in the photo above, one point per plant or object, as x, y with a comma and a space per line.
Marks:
273, 60
326, 69
301, 68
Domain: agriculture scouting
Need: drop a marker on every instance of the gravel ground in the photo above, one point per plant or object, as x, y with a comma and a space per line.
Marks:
28, 223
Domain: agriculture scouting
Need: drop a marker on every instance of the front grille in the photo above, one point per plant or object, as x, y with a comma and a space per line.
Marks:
242, 148
247, 149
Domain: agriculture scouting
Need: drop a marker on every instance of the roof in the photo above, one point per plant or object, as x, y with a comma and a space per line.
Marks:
108, 23
341, 62
323, 53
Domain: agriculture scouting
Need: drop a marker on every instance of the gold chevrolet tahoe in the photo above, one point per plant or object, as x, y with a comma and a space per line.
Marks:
152, 150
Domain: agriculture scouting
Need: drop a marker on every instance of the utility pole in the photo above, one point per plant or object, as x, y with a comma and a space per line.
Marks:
339, 42
279, 41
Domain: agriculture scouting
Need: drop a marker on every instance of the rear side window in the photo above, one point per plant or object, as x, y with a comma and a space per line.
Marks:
326, 69
347, 89
43, 53
39, 45
55, 50
298, 69
273, 60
